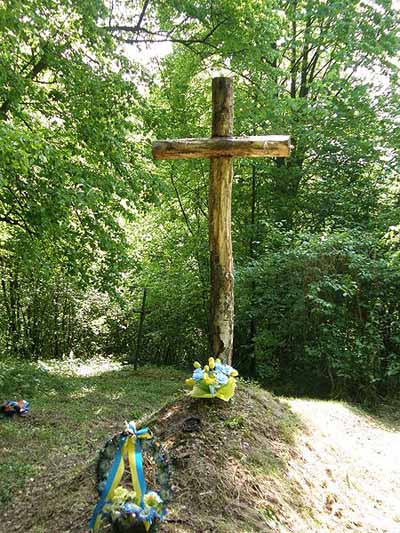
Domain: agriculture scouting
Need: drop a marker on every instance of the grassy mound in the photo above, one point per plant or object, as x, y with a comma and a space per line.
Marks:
230, 462
231, 469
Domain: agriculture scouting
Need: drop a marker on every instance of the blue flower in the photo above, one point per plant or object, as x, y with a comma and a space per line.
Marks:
222, 378
225, 369
149, 515
131, 508
198, 374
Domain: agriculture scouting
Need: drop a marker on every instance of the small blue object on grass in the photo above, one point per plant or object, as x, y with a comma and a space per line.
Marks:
15, 407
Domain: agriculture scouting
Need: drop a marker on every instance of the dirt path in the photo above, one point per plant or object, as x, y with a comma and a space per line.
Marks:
349, 469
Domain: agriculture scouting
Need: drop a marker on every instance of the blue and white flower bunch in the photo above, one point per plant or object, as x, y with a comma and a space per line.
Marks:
216, 379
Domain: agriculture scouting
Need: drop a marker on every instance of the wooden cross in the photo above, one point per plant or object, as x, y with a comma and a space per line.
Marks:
220, 149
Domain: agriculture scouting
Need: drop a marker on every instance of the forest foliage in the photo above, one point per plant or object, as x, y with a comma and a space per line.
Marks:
88, 220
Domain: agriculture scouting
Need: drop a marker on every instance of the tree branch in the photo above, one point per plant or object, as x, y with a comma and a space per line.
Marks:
13, 222
143, 13
180, 204
39, 67
161, 37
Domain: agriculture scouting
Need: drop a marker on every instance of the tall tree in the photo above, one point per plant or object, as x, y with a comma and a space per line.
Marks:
68, 103
71, 163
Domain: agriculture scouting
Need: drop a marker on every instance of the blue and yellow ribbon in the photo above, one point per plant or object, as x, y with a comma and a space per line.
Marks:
130, 445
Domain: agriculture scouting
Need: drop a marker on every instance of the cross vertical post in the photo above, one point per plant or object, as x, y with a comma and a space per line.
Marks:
221, 148
219, 225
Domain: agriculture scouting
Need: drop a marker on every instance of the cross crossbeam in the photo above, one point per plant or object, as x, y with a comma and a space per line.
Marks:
220, 149
256, 146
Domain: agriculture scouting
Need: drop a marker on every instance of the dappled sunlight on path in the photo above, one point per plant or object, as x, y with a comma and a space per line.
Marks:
352, 467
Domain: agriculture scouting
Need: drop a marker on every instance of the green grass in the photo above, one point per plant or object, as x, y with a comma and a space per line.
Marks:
385, 414
75, 408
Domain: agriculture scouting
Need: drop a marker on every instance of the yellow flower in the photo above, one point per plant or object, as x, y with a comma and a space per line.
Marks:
218, 360
121, 494
211, 363
206, 368
209, 380
234, 373
190, 382
196, 364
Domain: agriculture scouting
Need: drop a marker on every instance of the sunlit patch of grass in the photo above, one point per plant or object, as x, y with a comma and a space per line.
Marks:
84, 391
76, 367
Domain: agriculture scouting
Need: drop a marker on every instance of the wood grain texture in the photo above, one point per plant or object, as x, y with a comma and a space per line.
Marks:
256, 146
221, 257
222, 107
219, 225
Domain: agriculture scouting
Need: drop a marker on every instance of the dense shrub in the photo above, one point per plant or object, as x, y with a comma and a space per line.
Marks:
326, 312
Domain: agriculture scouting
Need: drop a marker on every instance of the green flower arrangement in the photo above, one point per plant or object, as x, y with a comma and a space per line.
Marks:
215, 380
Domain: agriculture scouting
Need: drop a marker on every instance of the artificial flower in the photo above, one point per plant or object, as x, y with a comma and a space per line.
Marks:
131, 508
149, 514
152, 499
216, 379
221, 377
209, 379
198, 374
121, 495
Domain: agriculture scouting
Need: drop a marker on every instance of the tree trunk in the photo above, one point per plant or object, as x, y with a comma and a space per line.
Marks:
140, 330
253, 238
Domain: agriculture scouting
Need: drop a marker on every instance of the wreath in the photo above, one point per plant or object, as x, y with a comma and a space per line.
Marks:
132, 509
